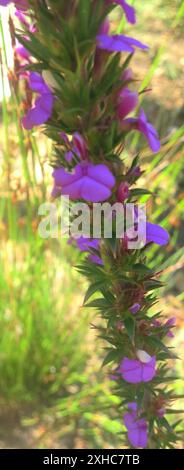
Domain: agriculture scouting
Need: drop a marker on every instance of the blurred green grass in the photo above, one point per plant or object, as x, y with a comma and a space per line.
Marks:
50, 360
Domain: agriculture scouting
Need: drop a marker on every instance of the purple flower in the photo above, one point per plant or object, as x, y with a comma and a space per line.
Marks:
127, 102
135, 371
22, 18
118, 43
20, 49
128, 10
142, 125
169, 323
135, 308
156, 234
22, 52
37, 83
137, 427
135, 171
42, 109
80, 146
149, 131
87, 181
77, 146
84, 244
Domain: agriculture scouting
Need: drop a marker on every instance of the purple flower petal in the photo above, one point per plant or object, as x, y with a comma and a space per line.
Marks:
135, 371
118, 43
148, 370
138, 436
37, 83
135, 308
128, 10
84, 244
171, 321
142, 125
102, 174
87, 181
22, 52
156, 234
131, 370
132, 406
137, 428
149, 131
129, 420
40, 113
93, 191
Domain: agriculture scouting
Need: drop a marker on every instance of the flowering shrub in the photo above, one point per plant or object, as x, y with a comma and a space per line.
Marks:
85, 92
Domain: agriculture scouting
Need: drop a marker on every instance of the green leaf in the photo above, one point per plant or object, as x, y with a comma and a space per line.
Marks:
139, 192
92, 289
129, 323
141, 268
111, 357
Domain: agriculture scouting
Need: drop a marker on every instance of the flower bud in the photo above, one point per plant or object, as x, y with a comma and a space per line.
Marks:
143, 356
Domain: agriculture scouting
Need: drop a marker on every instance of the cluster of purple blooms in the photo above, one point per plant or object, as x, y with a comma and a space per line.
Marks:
42, 108
83, 180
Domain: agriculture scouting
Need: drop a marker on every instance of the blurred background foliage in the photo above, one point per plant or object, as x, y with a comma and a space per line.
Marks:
53, 391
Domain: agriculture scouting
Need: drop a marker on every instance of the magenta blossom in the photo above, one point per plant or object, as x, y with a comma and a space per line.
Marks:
42, 109
137, 427
20, 49
123, 191
87, 181
126, 103
128, 10
135, 371
22, 52
142, 125
118, 43
76, 147
80, 146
